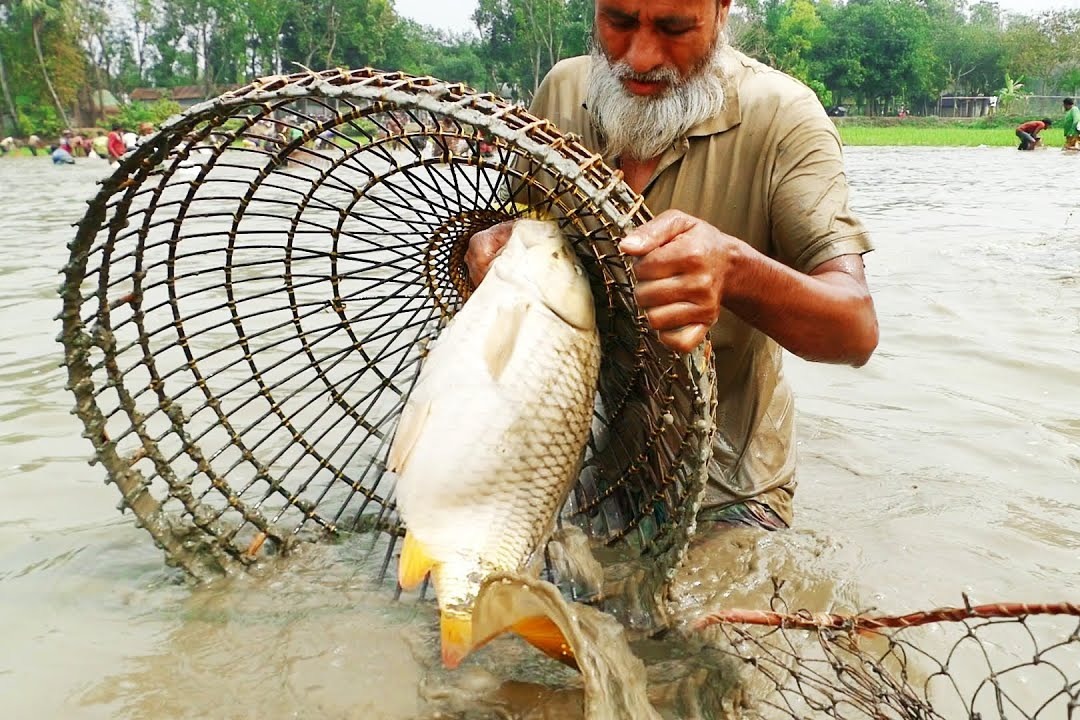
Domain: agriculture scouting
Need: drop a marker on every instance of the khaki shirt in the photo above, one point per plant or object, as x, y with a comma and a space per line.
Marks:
767, 169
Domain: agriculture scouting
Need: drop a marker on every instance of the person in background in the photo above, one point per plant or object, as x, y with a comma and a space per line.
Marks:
754, 247
145, 130
64, 153
100, 146
1029, 133
115, 143
1072, 124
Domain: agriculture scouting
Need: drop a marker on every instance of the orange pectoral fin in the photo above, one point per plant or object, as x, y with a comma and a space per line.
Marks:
544, 634
414, 564
456, 639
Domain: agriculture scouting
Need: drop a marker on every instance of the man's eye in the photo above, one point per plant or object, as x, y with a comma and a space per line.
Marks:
624, 24
675, 31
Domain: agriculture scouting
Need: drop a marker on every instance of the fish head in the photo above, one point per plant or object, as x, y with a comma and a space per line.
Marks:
538, 258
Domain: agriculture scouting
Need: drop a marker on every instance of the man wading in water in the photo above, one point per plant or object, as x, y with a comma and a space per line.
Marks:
1029, 133
755, 249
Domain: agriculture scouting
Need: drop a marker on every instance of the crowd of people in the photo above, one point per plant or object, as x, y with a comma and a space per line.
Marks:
70, 145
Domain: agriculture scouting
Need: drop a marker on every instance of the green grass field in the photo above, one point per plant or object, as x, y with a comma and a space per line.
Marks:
941, 136
996, 131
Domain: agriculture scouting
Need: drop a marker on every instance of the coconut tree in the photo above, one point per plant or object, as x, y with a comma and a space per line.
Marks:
40, 12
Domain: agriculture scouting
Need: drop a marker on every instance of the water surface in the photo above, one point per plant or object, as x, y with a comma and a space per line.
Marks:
950, 464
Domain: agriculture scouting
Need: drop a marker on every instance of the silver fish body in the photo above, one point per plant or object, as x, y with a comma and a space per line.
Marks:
491, 438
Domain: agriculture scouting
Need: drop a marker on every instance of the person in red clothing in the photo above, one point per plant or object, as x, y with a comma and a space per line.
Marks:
117, 147
1029, 133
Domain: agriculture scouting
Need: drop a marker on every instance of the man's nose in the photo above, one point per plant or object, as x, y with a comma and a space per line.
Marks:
644, 54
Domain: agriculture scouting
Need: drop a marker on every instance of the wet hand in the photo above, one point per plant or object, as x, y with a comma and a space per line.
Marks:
483, 247
681, 267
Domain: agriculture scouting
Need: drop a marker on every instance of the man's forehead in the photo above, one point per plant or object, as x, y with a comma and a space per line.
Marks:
657, 9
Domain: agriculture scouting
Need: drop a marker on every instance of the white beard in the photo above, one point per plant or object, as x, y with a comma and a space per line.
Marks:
643, 127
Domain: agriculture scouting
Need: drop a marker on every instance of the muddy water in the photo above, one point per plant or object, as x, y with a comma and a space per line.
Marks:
950, 464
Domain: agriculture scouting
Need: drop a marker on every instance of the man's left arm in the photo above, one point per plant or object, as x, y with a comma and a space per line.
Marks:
809, 294
689, 271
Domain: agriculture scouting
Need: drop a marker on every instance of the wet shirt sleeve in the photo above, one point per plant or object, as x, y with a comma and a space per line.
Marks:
810, 219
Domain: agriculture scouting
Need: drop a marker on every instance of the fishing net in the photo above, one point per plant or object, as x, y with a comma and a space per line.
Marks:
971, 661
247, 303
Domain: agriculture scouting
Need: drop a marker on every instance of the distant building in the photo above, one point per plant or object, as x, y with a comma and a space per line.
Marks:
184, 95
148, 94
188, 95
966, 106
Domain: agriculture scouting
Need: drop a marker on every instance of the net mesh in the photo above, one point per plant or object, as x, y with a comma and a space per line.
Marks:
978, 662
249, 298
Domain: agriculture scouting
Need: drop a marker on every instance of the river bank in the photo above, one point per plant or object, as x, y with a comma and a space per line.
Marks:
930, 131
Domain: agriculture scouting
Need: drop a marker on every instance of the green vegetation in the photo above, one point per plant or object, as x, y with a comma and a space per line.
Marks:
997, 131
940, 136
133, 113
57, 57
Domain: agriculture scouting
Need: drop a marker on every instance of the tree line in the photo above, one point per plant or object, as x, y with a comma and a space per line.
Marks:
874, 55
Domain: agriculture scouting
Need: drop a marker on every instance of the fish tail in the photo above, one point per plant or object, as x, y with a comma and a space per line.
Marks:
544, 634
456, 638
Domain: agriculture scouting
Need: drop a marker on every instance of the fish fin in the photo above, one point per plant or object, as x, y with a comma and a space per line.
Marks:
502, 337
531, 213
413, 418
544, 634
414, 564
456, 639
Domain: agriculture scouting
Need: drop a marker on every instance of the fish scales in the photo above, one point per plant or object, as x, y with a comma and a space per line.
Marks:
491, 439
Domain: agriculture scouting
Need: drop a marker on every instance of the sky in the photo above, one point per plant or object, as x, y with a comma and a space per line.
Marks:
456, 15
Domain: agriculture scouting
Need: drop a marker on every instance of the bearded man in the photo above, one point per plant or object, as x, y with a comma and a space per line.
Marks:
756, 248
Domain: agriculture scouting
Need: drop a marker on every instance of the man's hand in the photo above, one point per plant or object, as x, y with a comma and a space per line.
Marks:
681, 271
483, 247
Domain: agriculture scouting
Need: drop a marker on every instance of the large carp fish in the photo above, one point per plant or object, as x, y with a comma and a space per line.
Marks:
491, 438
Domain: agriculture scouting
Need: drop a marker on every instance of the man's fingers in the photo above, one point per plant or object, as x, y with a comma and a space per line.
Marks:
676, 315
483, 247
659, 231
685, 338
681, 288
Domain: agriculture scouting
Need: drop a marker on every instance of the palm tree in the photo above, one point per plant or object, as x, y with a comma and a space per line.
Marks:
40, 12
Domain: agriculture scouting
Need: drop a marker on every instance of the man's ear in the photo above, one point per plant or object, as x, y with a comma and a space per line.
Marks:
723, 7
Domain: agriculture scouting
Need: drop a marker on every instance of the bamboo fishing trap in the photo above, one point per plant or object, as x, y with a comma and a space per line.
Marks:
249, 298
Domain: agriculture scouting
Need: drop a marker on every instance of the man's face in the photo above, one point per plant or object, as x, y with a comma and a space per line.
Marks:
663, 37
